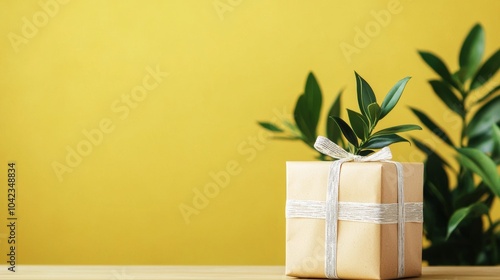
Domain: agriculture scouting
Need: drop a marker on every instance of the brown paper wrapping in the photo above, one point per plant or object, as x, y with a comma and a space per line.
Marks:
365, 250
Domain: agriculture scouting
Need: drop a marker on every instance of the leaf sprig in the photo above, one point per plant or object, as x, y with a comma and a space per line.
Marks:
457, 209
360, 133
306, 118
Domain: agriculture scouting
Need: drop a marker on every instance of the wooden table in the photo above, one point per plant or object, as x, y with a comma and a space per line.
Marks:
34, 272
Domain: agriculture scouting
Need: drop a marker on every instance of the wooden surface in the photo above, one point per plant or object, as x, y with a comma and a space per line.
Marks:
33, 272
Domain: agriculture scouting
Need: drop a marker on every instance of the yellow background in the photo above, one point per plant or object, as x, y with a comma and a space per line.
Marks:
229, 63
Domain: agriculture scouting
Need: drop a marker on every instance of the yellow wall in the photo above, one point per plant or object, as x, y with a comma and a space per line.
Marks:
158, 139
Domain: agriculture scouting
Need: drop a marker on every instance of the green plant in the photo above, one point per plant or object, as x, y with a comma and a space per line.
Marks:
363, 124
306, 118
360, 135
454, 210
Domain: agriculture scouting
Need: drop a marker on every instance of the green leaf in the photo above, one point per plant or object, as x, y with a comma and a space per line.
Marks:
482, 165
439, 67
397, 129
287, 138
359, 124
484, 118
465, 183
488, 95
495, 153
302, 119
347, 131
271, 127
487, 70
365, 152
393, 96
449, 98
490, 198
308, 108
431, 125
314, 97
462, 215
377, 142
436, 215
483, 142
422, 147
291, 126
428, 151
466, 199
365, 94
438, 181
471, 52
437, 195
373, 114
332, 129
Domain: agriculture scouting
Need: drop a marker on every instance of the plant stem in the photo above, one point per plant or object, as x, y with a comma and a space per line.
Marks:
461, 142
464, 120
462, 135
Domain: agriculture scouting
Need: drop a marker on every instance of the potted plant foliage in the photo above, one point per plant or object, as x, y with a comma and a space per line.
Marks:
459, 193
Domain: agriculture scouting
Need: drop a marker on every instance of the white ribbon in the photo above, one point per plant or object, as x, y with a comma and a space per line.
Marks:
376, 213
327, 147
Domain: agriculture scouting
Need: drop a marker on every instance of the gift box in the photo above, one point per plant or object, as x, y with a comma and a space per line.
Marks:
376, 223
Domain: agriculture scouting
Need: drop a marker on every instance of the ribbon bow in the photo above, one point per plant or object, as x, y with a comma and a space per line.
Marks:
327, 147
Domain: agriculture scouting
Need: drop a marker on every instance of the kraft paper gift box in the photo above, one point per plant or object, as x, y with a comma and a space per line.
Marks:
364, 249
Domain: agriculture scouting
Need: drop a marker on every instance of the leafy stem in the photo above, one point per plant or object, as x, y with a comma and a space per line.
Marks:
360, 133
306, 118
454, 213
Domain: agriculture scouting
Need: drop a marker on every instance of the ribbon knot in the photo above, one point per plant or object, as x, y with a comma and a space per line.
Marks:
327, 147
